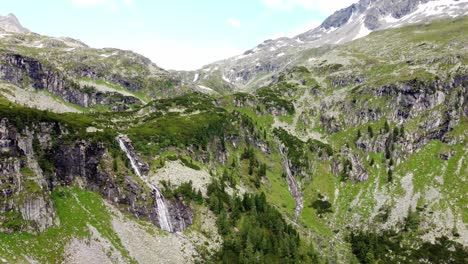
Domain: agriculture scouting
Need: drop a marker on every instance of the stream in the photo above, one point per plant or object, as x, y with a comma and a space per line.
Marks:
292, 184
163, 212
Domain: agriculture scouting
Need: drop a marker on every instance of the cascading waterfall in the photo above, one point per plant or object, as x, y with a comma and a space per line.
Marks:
163, 212
292, 184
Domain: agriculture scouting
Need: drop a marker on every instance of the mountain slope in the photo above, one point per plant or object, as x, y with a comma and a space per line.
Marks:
255, 67
354, 153
67, 75
10, 23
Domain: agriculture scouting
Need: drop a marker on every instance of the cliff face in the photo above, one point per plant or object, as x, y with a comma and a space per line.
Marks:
28, 72
36, 160
26, 202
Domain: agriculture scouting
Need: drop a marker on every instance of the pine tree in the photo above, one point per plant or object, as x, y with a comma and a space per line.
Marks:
396, 131
115, 166
370, 131
386, 127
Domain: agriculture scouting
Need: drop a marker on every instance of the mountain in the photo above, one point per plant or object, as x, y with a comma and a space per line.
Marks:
255, 67
351, 153
10, 23
65, 75
359, 20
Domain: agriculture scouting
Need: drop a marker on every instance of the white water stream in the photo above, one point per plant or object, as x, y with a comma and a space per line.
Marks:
292, 184
163, 212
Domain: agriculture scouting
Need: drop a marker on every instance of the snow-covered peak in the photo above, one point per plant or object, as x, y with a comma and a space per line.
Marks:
345, 25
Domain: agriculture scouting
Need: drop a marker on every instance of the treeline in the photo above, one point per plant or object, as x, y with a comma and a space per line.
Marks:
390, 247
254, 231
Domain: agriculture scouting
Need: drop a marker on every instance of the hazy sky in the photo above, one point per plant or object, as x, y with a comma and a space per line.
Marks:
175, 34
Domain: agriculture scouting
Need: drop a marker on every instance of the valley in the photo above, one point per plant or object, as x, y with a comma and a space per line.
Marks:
335, 152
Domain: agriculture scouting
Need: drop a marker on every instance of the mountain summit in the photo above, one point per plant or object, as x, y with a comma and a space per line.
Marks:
10, 23
360, 19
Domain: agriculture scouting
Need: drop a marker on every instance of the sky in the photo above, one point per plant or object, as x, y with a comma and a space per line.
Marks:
175, 34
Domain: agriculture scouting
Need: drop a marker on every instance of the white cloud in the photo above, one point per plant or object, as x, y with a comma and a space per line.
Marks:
234, 23
170, 54
326, 7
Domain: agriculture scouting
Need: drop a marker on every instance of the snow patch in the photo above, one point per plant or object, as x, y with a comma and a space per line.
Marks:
363, 31
226, 79
205, 88
70, 49
272, 49
330, 30
298, 40
280, 54
340, 40
195, 78
390, 19
440, 7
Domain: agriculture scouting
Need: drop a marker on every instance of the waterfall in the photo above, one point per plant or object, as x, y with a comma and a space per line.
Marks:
163, 212
292, 184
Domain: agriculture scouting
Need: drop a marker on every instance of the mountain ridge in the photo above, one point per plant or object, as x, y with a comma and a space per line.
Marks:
10, 23
356, 21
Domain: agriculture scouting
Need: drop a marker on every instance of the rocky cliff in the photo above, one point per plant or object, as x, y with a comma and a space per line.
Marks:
40, 158
28, 72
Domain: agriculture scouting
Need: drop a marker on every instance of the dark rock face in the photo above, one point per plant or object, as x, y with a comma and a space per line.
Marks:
25, 202
78, 162
375, 9
344, 80
82, 159
403, 101
24, 71
342, 16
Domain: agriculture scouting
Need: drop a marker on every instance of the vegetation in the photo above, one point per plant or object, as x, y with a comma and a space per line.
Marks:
255, 232
185, 190
76, 210
328, 133
389, 247
272, 99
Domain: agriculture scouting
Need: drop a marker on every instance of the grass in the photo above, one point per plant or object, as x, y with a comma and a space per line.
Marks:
76, 209
178, 130
426, 166
138, 95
